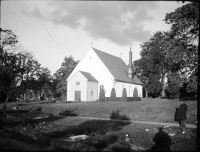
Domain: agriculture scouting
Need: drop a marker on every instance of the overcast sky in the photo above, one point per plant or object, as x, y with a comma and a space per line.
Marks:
52, 30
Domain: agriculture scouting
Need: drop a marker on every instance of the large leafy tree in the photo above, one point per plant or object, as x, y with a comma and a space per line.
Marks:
19, 71
30, 68
44, 82
62, 74
9, 64
185, 28
172, 54
161, 59
152, 66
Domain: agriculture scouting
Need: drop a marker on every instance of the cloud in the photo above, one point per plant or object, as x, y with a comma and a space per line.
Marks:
117, 21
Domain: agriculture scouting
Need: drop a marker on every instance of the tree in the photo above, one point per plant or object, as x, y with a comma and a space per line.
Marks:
63, 73
44, 82
135, 92
30, 68
9, 65
124, 93
153, 66
185, 27
113, 93
102, 94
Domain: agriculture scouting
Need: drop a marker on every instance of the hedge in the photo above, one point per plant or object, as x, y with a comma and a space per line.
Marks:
122, 99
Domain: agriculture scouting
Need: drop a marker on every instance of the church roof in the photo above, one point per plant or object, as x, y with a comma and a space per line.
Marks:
117, 67
88, 76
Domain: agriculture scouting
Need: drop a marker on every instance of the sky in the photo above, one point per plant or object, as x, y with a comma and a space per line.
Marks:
52, 30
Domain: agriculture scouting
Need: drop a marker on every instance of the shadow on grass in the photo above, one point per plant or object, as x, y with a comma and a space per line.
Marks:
162, 141
40, 140
116, 115
38, 109
90, 127
68, 113
97, 130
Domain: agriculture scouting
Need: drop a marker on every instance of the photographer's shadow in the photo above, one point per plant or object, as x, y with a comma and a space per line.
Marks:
162, 141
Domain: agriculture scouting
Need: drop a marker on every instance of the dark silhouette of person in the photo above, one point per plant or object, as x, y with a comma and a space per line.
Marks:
162, 141
180, 114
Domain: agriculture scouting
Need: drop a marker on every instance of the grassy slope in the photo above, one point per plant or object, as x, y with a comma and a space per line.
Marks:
157, 110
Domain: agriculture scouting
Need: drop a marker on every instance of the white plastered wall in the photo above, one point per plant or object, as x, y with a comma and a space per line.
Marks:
78, 77
92, 93
92, 63
129, 89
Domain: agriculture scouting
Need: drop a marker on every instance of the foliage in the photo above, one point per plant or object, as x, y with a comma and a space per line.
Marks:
9, 65
185, 28
135, 92
61, 76
118, 146
152, 66
173, 85
185, 21
20, 72
116, 115
44, 82
130, 99
174, 52
124, 93
113, 93
30, 67
102, 94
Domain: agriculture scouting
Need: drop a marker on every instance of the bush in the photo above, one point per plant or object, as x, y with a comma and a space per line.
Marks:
116, 115
172, 91
118, 147
115, 99
124, 93
130, 99
113, 93
135, 92
102, 95
42, 139
73, 146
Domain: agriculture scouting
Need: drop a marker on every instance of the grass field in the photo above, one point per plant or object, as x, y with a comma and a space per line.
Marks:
109, 135
155, 110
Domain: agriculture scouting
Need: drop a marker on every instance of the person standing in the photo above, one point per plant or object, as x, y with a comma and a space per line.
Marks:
181, 114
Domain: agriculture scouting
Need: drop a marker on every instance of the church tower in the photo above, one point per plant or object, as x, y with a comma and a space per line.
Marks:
131, 69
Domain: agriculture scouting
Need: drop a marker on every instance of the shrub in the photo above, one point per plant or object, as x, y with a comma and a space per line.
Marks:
135, 92
113, 93
116, 115
124, 93
118, 147
172, 91
130, 99
42, 139
115, 99
73, 146
102, 94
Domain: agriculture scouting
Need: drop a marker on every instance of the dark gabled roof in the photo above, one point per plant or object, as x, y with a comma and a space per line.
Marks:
117, 67
88, 76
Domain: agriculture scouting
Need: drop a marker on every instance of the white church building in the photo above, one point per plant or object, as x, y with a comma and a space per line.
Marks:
100, 69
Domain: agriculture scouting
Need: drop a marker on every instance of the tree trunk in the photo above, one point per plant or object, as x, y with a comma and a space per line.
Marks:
163, 85
7, 99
